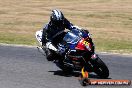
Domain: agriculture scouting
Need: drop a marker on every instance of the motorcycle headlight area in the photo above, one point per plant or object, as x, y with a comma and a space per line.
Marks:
87, 45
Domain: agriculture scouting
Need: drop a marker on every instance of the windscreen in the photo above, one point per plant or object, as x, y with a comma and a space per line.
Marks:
71, 38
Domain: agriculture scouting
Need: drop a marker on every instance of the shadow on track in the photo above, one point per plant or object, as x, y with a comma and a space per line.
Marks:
74, 74
65, 74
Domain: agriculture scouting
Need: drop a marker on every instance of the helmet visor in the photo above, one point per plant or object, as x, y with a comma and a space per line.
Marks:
58, 22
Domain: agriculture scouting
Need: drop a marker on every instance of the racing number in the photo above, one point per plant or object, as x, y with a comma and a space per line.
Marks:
86, 43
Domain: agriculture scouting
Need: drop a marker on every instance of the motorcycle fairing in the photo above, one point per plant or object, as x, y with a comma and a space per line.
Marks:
74, 39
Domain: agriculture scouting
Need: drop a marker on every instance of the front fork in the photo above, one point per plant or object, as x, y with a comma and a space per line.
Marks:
84, 70
85, 74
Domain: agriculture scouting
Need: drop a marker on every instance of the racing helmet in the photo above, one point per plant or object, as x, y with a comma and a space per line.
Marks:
57, 17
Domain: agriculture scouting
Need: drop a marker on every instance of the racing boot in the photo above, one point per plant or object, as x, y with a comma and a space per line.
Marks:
48, 53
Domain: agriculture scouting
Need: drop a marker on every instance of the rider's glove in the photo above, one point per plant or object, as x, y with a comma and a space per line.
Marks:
76, 27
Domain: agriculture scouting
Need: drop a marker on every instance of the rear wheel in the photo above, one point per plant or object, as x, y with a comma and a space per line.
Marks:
63, 67
100, 68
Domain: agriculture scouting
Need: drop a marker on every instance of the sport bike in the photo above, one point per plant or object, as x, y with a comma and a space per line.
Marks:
78, 47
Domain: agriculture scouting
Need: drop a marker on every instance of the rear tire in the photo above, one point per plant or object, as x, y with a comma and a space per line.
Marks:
63, 67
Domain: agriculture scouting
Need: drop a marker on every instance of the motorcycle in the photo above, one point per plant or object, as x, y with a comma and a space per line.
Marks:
80, 49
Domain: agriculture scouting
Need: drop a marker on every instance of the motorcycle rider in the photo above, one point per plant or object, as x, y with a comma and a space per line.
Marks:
53, 32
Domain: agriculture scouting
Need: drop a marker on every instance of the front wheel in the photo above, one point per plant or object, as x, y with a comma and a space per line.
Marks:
100, 68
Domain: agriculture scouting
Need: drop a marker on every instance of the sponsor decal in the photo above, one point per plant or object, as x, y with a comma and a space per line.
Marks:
109, 82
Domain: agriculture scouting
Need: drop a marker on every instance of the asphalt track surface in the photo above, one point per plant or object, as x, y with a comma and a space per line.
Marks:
25, 67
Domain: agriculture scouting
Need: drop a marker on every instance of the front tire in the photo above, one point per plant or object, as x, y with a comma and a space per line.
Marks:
101, 69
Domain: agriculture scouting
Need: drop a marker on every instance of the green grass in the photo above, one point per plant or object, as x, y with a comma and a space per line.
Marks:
16, 39
117, 46
109, 21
